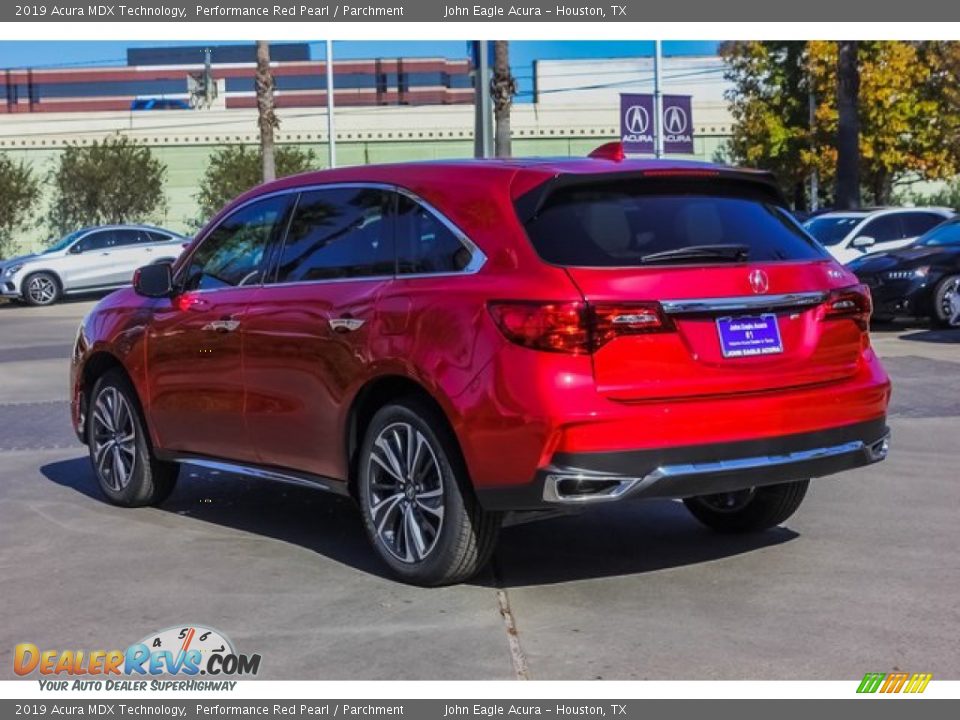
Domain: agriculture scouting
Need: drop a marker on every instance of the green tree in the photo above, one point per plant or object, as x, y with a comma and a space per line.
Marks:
908, 111
770, 107
19, 191
117, 180
234, 169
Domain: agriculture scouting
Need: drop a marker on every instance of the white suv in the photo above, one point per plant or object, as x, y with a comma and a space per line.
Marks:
88, 260
848, 234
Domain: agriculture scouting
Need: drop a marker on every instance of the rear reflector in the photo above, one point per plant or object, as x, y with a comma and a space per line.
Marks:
852, 302
575, 328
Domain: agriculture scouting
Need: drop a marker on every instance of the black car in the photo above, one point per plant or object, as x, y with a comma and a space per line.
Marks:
920, 280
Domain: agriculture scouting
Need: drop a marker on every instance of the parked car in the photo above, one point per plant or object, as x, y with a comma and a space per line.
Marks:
922, 280
88, 260
449, 341
850, 234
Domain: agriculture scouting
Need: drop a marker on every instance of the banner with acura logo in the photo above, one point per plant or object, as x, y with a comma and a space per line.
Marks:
637, 129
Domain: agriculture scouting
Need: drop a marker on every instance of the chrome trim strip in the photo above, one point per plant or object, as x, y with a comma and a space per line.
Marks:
256, 471
875, 451
742, 302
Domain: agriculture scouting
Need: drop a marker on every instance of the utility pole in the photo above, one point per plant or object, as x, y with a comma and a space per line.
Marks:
657, 100
331, 132
483, 120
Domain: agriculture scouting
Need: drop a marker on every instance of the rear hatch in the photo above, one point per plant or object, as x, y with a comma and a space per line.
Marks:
699, 286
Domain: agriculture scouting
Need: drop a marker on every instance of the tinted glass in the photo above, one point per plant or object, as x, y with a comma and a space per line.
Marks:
102, 240
946, 234
883, 229
152, 236
616, 226
916, 224
127, 237
232, 254
424, 243
831, 230
338, 233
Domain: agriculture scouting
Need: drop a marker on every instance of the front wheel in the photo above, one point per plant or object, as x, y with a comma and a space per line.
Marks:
748, 510
41, 289
418, 506
946, 302
128, 472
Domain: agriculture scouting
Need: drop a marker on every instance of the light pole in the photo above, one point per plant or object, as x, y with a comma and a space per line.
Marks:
657, 101
331, 133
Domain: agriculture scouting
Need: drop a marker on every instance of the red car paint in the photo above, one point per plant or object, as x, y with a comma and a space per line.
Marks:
281, 390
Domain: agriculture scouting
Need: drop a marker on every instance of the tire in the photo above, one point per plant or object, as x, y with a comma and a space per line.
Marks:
139, 479
946, 296
750, 510
429, 530
41, 289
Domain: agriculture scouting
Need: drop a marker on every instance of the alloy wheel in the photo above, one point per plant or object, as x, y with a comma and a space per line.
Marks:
951, 303
42, 290
114, 438
406, 492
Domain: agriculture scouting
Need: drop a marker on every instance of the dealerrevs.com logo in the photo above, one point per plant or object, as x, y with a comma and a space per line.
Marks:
186, 651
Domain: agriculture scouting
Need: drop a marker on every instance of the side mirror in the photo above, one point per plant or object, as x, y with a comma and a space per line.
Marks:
75, 249
154, 281
863, 242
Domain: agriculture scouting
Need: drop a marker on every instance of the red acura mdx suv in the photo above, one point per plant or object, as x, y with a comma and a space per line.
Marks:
450, 341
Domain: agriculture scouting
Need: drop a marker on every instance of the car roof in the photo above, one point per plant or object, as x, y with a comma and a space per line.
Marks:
128, 226
872, 211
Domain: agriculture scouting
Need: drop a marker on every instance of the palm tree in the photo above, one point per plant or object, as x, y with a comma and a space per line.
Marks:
266, 116
503, 86
848, 131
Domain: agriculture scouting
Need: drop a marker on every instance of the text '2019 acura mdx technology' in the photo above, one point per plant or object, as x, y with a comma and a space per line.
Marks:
447, 342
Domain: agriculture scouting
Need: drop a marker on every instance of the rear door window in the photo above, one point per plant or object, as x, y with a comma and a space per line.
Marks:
885, 228
426, 245
621, 224
338, 233
917, 223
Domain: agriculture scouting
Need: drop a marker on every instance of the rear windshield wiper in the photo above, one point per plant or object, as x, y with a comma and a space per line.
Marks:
733, 253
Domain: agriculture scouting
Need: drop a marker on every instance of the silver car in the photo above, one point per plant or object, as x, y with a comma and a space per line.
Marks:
88, 260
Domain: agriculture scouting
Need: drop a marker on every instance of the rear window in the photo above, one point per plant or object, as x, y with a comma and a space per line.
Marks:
615, 226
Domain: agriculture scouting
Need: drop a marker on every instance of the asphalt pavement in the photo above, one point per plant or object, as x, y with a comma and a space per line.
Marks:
865, 577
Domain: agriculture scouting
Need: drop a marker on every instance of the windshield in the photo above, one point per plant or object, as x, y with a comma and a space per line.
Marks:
626, 225
947, 234
64, 242
831, 230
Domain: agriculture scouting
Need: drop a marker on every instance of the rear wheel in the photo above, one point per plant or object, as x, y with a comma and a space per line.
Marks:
122, 457
749, 510
946, 302
418, 506
41, 289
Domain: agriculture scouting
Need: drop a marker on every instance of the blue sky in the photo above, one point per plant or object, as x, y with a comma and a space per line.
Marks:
522, 53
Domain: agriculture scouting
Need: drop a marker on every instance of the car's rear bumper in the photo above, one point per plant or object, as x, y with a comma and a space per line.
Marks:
577, 479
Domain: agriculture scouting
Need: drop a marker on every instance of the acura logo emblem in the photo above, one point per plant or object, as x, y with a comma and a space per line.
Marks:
637, 119
759, 282
674, 120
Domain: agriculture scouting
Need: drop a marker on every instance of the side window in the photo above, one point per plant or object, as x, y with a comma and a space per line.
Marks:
232, 254
102, 240
424, 243
338, 233
883, 229
152, 236
126, 237
916, 224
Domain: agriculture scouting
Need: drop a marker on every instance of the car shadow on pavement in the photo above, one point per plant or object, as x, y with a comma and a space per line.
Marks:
933, 336
625, 539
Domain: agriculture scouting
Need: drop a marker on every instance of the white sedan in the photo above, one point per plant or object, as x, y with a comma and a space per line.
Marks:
88, 260
849, 234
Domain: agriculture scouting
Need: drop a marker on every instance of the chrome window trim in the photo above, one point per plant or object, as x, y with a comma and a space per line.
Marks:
742, 302
477, 257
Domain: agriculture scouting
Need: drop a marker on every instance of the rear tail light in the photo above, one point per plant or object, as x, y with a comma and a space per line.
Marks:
575, 328
850, 302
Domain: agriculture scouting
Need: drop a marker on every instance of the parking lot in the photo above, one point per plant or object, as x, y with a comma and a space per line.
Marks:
865, 577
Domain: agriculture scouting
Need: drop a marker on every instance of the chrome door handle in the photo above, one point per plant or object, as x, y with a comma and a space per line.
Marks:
345, 324
222, 326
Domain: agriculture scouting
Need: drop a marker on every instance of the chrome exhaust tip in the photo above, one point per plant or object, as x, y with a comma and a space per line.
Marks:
585, 488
